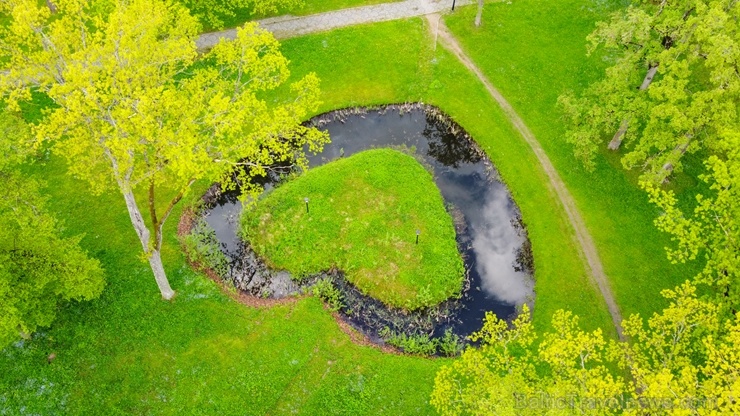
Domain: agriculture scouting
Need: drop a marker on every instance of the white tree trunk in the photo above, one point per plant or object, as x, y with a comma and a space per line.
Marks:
155, 260
649, 78
479, 15
151, 250
676, 154
617, 139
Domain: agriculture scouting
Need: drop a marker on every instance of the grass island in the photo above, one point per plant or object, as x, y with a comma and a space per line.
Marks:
362, 217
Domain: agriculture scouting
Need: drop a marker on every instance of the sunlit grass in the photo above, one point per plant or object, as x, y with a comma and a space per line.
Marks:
362, 217
534, 51
131, 353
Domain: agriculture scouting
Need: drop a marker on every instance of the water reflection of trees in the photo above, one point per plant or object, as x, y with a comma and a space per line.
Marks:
274, 173
446, 147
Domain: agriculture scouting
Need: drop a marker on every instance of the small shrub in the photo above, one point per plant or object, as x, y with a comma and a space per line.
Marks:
325, 290
450, 344
413, 344
202, 246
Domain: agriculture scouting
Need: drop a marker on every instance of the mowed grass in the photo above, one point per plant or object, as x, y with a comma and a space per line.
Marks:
404, 65
363, 215
534, 51
131, 353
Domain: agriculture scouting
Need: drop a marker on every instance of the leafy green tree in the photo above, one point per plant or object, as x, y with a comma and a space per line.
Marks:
712, 232
673, 86
135, 109
39, 269
212, 12
516, 370
683, 361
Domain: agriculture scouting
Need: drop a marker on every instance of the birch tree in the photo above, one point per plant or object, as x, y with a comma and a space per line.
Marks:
137, 110
479, 10
479, 13
672, 87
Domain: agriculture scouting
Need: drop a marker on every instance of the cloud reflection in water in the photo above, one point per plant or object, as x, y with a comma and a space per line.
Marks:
495, 243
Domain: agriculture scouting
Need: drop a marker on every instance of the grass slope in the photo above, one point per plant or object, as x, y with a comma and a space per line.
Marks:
131, 353
533, 51
363, 216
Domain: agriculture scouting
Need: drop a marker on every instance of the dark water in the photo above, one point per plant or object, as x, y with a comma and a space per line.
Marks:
490, 235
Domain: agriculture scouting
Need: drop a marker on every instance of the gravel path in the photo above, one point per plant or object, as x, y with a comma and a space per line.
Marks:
291, 26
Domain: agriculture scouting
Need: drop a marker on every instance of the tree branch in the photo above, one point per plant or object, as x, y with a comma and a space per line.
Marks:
152, 208
167, 212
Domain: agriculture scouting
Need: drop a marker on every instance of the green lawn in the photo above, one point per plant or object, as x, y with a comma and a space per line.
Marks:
533, 51
402, 68
362, 218
131, 353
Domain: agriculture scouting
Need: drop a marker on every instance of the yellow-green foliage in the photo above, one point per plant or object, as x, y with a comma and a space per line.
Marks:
216, 13
694, 46
39, 269
133, 110
712, 232
684, 361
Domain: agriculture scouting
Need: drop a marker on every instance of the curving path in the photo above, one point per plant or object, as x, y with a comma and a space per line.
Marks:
588, 248
291, 26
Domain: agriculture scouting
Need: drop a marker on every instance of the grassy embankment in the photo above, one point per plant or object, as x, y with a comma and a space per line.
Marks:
131, 353
362, 218
533, 52
436, 77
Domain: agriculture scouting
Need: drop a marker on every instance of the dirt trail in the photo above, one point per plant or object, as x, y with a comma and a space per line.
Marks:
288, 26
588, 249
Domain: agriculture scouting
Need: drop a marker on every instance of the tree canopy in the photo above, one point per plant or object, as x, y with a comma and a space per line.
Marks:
682, 361
138, 110
673, 85
711, 232
39, 268
672, 88
212, 12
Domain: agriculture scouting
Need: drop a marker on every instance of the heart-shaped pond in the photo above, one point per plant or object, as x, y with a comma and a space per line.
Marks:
490, 234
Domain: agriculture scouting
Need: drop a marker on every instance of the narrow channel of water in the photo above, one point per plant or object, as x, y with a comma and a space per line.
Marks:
490, 235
